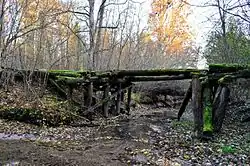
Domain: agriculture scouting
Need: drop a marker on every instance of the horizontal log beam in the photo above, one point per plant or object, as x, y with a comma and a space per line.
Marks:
157, 72
227, 68
156, 78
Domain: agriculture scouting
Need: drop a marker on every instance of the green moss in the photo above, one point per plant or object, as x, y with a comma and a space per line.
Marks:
226, 79
208, 126
28, 115
71, 73
183, 124
228, 149
207, 110
136, 97
52, 113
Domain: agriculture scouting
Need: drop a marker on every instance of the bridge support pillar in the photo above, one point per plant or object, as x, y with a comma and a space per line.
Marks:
197, 106
106, 100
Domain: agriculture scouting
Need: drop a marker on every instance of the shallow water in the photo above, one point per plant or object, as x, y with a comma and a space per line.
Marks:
4, 136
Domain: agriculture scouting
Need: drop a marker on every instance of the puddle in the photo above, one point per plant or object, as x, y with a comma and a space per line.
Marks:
4, 136
12, 163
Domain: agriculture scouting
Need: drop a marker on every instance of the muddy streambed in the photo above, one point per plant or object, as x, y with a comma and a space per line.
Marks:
117, 141
147, 137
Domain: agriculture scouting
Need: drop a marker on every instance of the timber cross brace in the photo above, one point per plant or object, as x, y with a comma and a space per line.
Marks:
208, 89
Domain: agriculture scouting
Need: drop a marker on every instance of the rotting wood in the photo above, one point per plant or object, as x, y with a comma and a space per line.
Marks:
184, 104
197, 106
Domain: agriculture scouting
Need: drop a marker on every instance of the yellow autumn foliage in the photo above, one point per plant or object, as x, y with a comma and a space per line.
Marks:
169, 25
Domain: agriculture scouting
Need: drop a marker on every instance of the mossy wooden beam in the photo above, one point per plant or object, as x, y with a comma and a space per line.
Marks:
68, 73
225, 68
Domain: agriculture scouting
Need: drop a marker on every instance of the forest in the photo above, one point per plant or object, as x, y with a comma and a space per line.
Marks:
125, 82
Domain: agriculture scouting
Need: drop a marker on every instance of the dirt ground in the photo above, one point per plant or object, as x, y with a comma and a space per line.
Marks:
148, 137
99, 145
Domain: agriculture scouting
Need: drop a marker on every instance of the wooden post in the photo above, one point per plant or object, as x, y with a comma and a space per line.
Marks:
184, 104
219, 106
83, 99
106, 100
122, 100
129, 99
207, 110
90, 95
69, 93
197, 105
118, 98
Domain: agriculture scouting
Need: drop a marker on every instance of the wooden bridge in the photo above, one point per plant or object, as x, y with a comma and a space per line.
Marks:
208, 88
